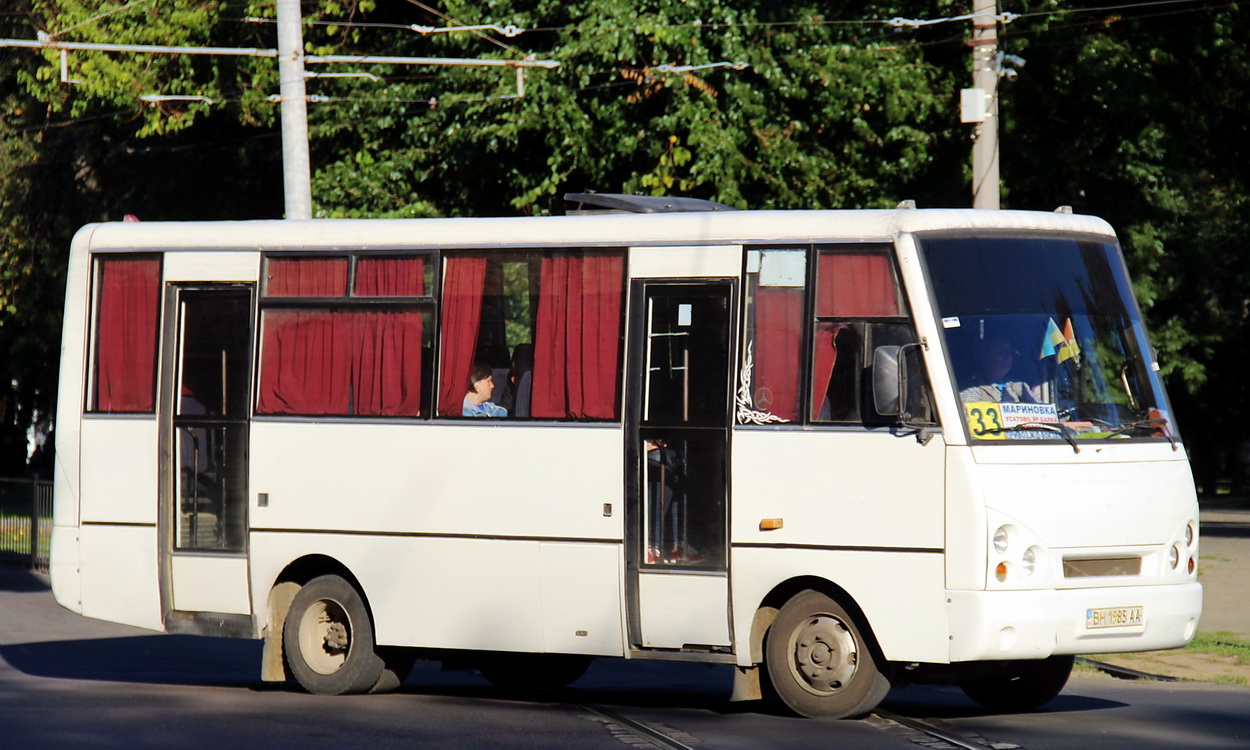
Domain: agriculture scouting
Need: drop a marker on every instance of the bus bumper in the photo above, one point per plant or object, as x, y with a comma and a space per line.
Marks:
993, 625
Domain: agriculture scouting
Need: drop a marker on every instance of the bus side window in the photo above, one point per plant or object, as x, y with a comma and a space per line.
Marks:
568, 303
855, 290
343, 335
774, 335
123, 365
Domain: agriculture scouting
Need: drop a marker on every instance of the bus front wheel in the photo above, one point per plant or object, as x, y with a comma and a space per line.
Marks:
819, 662
1022, 685
328, 639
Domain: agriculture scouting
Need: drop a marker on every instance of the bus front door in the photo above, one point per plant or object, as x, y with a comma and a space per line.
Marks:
677, 454
204, 457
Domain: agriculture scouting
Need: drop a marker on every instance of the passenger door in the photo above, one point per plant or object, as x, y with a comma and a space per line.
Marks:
677, 465
205, 400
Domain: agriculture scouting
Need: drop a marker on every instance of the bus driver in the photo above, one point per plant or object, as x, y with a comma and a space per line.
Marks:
994, 358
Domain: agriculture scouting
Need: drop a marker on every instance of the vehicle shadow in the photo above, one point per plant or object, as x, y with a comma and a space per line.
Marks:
17, 579
153, 659
948, 702
227, 662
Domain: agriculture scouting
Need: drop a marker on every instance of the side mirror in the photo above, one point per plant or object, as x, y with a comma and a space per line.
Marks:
889, 382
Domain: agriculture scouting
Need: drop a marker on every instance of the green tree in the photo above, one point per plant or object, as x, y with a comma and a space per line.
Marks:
748, 103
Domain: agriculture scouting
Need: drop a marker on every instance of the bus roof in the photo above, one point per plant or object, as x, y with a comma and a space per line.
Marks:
703, 228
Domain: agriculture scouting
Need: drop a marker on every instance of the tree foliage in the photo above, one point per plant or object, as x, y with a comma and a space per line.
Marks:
741, 102
1134, 114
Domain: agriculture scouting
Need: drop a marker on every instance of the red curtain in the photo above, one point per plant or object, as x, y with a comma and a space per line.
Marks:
855, 285
390, 277
464, 279
386, 363
577, 337
305, 363
824, 358
778, 336
306, 277
340, 362
126, 337
386, 373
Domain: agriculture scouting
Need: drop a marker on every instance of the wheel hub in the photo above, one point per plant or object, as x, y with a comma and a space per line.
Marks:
325, 637
336, 636
825, 655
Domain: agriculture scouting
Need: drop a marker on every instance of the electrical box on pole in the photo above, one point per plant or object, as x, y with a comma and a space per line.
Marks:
973, 105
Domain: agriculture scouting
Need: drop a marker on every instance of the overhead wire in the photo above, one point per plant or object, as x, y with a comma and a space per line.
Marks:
449, 19
898, 24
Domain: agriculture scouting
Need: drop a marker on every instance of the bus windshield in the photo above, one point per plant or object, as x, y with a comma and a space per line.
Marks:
1045, 340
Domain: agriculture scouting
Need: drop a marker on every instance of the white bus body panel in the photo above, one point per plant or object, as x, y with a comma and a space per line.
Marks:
118, 536
462, 536
239, 267
201, 583
119, 470
867, 516
683, 610
65, 564
705, 261
120, 580
901, 594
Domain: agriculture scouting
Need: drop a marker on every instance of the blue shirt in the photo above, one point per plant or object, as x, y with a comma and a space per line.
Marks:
484, 409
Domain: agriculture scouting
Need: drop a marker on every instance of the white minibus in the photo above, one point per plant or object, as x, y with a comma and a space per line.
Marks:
837, 451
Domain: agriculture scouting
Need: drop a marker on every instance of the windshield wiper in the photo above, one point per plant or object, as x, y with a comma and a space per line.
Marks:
1154, 425
1063, 431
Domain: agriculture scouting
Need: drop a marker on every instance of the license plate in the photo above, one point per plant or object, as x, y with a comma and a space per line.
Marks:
1113, 617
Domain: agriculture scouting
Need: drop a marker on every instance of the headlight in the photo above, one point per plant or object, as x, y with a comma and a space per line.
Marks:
1030, 560
1000, 540
1189, 535
1174, 556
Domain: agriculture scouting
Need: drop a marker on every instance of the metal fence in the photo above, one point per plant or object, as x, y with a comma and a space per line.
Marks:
26, 522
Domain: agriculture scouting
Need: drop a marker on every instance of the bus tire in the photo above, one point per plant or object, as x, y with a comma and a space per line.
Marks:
522, 672
328, 639
818, 661
1025, 685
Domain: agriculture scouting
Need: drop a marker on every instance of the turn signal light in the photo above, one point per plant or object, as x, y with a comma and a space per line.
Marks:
1192, 565
1001, 572
770, 524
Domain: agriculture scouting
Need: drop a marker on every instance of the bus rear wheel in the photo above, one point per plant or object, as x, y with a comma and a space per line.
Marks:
328, 639
819, 662
1023, 685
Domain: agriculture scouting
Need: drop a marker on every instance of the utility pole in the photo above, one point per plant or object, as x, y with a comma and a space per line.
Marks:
985, 182
296, 172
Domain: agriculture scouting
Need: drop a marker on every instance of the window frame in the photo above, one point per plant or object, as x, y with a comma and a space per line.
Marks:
425, 304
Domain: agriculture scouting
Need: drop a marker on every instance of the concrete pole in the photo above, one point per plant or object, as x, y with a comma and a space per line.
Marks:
985, 181
296, 173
